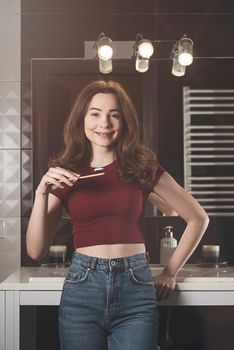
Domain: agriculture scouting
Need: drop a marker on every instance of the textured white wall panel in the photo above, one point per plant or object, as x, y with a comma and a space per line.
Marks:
9, 183
26, 112
10, 47
27, 181
10, 136
10, 248
10, 6
9, 114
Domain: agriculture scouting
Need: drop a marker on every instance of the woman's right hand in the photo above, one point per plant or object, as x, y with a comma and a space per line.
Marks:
55, 178
165, 284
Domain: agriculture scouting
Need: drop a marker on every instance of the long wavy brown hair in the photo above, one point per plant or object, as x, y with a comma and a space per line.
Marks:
134, 160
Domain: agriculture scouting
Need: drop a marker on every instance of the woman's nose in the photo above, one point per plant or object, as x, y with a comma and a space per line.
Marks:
105, 121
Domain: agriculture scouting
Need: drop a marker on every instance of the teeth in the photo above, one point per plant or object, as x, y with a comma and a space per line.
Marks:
104, 133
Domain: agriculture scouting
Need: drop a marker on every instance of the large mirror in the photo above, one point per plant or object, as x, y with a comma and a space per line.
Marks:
157, 94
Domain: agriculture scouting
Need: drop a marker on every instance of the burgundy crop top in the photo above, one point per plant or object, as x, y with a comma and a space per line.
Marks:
106, 209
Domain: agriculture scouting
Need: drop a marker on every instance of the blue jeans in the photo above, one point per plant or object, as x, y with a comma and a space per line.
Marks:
108, 304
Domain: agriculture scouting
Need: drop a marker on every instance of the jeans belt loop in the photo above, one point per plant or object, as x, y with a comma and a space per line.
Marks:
93, 263
126, 263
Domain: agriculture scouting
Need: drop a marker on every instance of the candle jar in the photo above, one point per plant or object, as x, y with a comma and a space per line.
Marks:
210, 254
57, 254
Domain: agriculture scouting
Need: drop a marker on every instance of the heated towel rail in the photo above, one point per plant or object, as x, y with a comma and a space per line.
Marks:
209, 148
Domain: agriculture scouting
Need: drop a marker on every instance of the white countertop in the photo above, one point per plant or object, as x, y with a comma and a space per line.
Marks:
190, 278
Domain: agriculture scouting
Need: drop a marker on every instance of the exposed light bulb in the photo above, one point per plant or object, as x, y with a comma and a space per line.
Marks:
145, 49
185, 51
105, 52
185, 59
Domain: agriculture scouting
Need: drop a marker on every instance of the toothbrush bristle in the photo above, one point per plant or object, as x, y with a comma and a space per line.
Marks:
98, 170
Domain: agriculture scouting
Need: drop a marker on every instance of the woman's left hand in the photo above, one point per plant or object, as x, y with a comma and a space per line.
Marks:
164, 285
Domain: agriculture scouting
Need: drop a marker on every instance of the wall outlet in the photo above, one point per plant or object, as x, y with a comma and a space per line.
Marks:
2, 229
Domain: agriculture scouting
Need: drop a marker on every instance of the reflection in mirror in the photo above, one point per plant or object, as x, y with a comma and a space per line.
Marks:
55, 87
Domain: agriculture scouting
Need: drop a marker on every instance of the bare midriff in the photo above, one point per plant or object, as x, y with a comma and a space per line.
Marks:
112, 251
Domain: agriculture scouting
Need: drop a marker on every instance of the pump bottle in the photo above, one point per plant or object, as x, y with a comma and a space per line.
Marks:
168, 245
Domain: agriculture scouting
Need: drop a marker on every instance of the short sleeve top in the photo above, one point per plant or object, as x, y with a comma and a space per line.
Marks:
105, 209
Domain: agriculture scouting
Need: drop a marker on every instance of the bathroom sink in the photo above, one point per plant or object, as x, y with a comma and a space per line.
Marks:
198, 272
184, 272
57, 274
48, 274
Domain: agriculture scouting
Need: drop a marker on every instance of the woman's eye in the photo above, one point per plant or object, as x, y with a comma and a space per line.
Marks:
94, 114
116, 116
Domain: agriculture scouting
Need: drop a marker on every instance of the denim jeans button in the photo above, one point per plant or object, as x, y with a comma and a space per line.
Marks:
112, 263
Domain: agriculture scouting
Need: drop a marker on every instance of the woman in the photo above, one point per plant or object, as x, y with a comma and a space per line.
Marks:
108, 299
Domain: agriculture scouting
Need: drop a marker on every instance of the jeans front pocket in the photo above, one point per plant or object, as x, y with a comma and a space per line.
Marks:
76, 275
141, 275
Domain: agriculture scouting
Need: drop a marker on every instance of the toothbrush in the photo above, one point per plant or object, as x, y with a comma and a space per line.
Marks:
97, 172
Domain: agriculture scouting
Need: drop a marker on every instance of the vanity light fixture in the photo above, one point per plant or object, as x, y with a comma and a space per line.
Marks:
178, 70
185, 47
104, 50
143, 50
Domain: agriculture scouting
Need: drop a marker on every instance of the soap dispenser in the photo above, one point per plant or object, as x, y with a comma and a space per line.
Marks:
168, 245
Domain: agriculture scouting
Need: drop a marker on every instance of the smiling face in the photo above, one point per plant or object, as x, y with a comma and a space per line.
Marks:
103, 122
